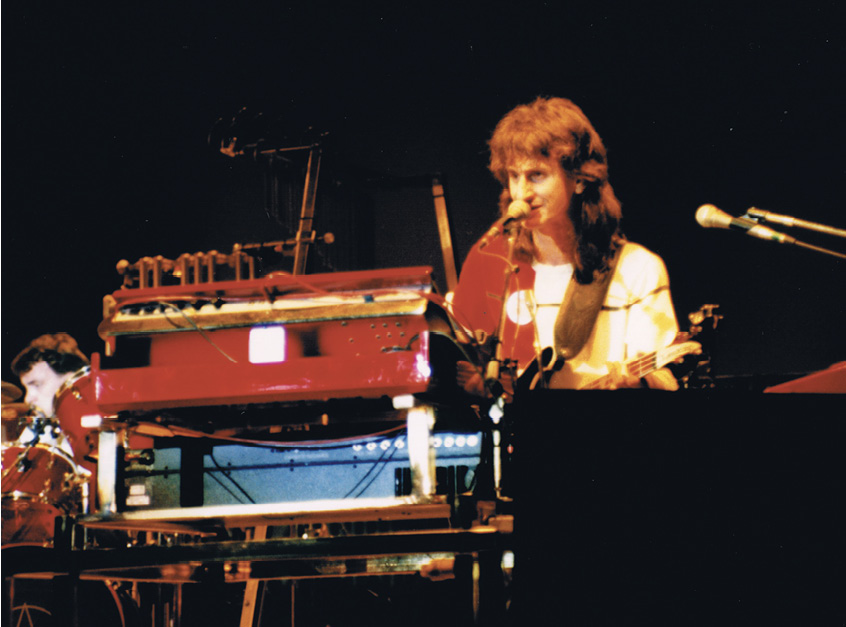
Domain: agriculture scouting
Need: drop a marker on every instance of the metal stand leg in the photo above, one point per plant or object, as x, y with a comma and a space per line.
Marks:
8, 599
488, 589
107, 472
421, 456
177, 606
65, 608
248, 606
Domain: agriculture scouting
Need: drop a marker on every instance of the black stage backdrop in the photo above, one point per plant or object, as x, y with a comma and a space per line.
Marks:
694, 513
111, 136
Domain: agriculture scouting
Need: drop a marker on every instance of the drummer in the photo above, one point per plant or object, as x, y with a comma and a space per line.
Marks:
43, 367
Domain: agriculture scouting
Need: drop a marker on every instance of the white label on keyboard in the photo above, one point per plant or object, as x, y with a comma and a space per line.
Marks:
267, 344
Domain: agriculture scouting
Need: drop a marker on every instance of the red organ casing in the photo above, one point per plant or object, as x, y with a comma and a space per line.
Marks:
280, 338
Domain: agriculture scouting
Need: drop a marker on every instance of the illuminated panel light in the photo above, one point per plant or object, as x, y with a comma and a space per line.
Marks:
497, 410
267, 345
404, 401
137, 496
91, 421
424, 369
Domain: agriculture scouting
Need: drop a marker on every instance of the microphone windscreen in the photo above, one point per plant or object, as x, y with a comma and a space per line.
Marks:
709, 216
518, 209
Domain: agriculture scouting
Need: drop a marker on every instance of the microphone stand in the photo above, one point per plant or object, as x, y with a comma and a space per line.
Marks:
37, 427
820, 249
759, 215
790, 221
493, 373
494, 366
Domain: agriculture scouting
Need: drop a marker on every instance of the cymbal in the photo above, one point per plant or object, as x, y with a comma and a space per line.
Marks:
10, 412
11, 392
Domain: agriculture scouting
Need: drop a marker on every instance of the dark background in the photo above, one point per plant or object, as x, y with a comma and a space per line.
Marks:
109, 110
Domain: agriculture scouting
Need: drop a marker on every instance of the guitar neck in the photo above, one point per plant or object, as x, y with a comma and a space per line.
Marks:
638, 367
642, 366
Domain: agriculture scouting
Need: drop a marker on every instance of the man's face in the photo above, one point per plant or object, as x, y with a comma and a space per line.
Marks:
42, 383
547, 188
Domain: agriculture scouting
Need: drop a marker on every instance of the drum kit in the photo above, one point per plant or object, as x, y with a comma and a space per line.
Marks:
41, 479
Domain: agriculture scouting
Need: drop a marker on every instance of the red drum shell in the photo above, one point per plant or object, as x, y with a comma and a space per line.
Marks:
39, 473
75, 400
39, 483
28, 522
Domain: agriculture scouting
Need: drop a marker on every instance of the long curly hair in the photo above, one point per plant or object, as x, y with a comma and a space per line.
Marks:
59, 350
557, 128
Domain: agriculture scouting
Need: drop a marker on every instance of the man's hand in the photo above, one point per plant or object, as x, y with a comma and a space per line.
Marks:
662, 379
617, 378
470, 379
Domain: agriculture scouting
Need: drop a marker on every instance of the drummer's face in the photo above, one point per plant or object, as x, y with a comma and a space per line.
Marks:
42, 383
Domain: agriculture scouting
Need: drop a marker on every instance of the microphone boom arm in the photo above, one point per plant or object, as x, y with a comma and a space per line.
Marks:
710, 216
789, 221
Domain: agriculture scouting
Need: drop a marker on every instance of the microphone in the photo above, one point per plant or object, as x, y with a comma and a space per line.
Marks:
517, 210
709, 217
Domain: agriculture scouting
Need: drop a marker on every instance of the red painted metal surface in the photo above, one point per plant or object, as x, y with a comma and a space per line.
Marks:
344, 352
224, 383
281, 285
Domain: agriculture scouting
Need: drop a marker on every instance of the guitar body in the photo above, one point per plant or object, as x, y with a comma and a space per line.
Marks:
567, 377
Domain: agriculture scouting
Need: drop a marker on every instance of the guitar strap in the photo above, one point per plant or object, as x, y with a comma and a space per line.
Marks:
578, 311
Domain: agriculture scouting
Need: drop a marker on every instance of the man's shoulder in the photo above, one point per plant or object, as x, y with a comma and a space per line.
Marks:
638, 268
633, 254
